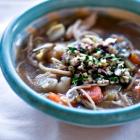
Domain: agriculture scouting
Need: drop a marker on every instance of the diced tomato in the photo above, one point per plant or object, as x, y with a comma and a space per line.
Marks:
95, 93
134, 58
137, 91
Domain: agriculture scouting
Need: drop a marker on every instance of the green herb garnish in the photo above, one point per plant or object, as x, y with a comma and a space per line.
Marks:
82, 50
78, 79
114, 79
72, 49
97, 49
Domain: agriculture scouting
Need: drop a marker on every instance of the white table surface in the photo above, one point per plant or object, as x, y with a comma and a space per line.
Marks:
19, 121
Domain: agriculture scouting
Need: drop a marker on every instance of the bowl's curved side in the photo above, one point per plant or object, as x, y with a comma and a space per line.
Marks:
82, 117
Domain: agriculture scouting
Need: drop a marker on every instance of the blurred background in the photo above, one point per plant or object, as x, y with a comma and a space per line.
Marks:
11, 8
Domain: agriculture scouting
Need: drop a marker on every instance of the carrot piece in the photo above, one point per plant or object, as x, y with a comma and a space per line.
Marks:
32, 30
95, 93
54, 97
134, 58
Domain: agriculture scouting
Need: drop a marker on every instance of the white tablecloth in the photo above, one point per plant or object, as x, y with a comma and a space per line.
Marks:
19, 121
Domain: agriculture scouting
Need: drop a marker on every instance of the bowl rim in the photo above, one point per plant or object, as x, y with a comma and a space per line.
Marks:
21, 88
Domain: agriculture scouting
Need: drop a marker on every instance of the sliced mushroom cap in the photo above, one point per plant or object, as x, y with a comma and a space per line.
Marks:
111, 92
46, 46
58, 50
64, 84
49, 84
55, 32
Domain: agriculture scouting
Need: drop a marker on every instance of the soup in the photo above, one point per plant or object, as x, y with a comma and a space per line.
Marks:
88, 59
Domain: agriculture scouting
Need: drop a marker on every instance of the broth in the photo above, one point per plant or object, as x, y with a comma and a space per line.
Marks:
87, 60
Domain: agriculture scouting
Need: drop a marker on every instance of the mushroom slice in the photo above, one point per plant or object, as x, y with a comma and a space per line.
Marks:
55, 32
64, 84
46, 46
46, 82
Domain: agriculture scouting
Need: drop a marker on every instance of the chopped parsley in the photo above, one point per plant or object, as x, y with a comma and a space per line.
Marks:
114, 79
72, 49
78, 79
97, 61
